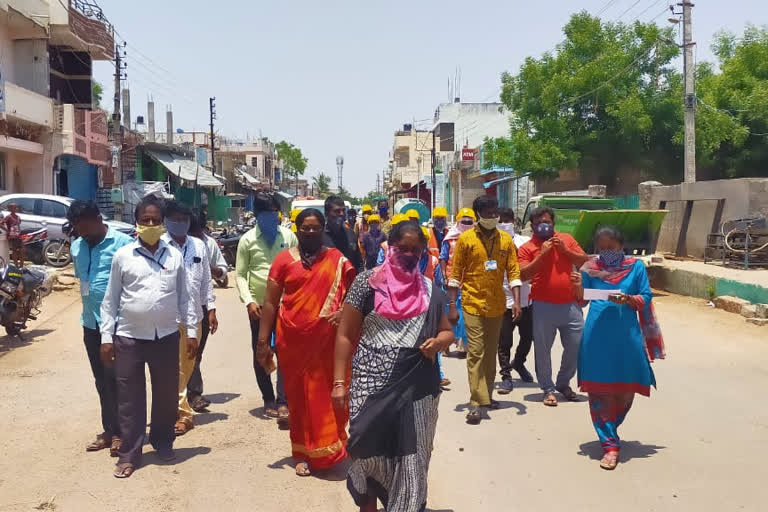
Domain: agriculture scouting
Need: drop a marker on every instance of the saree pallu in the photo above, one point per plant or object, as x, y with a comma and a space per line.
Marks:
305, 341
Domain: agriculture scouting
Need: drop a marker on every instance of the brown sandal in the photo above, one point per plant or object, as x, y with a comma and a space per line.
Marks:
283, 417
114, 447
550, 400
302, 469
101, 442
182, 427
124, 470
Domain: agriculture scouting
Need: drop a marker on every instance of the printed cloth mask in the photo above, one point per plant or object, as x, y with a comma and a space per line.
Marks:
612, 258
544, 230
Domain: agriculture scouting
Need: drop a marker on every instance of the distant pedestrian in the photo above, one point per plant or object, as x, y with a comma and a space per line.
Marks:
92, 254
178, 218
547, 261
256, 252
305, 292
386, 224
483, 257
11, 223
337, 235
524, 324
465, 221
371, 240
146, 299
621, 336
219, 269
438, 231
352, 220
393, 325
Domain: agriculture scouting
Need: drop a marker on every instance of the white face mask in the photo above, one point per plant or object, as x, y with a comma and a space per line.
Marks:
507, 227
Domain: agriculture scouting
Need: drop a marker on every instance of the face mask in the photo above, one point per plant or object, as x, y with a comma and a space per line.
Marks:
489, 223
465, 225
177, 229
544, 230
335, 223
507, 227
383, 211
150, 235
268, 223
310, 242
612, 258
375, 229
406, 262
440, 224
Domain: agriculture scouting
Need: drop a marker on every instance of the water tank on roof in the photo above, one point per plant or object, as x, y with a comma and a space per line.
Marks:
407, 127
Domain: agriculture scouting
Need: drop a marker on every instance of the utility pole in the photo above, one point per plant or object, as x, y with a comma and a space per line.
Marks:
212, 111
433, 169
690, 94
117, 131
377, 183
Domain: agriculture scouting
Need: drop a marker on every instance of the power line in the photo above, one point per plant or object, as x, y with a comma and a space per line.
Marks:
605, 7
628, 9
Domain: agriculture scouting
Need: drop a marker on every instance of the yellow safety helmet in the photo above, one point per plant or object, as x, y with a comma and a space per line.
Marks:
280, 215
398, 218
426, 232
294, 213
440, 211
373, 218
413, 214
367, 208
466, 212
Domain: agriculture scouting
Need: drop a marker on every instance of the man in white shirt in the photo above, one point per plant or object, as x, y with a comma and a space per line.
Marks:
524, 324
178, 218
219, 271
145, 301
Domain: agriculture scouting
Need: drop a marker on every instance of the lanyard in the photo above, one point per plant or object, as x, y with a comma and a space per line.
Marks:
156, 262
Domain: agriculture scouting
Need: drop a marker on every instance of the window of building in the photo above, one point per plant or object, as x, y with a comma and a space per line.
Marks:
401, 158
2, 172
254, 161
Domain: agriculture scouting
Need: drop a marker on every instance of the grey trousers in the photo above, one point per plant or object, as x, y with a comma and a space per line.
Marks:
162, 357
548, 319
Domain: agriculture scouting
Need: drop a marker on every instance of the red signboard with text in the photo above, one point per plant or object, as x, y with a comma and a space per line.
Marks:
467, 154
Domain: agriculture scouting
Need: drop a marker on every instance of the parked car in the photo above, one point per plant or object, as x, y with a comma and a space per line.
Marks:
42, 210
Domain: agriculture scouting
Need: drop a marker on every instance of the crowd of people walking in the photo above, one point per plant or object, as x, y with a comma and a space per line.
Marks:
352, 317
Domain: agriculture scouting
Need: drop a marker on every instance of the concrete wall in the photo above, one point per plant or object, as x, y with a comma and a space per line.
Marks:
473, 122
743, 197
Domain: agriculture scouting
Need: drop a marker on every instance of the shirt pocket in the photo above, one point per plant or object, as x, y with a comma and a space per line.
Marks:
167, 281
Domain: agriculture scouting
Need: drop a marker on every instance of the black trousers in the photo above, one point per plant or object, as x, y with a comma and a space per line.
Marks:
106, 385
195, 384
162, 357
525, 328
263, 379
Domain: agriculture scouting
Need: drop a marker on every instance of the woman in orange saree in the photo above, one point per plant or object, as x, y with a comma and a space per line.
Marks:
312, 281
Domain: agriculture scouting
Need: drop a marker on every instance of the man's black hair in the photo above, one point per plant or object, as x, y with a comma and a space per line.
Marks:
541, 211
484, 203
150, 200
333, 201
80, 209
264, 202
173, 207
506, 213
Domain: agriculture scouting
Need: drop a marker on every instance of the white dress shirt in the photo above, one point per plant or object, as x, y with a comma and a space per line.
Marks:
525, 289
214, 254
198, 266
147, 295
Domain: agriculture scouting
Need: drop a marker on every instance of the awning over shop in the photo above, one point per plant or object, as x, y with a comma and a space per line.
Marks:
283, 195
246, 179
187, 170
489, 184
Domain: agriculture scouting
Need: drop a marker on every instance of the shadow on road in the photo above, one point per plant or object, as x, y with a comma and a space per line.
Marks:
337, 473
182, 455
209, 417
539, 397
258, 412
503, 404
629, 450
222, 398
8, 343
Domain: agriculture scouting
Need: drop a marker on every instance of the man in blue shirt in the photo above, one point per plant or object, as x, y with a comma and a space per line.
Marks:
92, 254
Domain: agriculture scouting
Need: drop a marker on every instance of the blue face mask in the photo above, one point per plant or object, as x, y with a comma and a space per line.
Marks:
268, 223
612, 258
544, 230
177, 229
383, 210
440, 224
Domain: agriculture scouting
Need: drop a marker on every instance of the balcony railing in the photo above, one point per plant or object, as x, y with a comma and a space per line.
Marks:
84, 133
88, 23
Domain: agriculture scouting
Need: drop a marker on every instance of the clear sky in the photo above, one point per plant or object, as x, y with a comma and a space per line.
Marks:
337, 77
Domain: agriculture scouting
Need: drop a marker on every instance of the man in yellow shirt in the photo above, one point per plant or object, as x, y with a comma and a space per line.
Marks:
483, 256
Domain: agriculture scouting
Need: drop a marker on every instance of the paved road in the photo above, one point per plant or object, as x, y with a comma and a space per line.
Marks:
699, 443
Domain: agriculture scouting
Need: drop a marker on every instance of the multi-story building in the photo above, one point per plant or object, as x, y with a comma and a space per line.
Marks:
251, 163
411, 162
52, 139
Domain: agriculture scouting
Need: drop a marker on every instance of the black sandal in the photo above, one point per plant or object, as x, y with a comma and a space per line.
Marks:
473, 416
124, 470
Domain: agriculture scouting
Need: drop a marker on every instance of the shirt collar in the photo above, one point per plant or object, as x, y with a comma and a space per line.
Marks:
481, 234
162, 244
167, 238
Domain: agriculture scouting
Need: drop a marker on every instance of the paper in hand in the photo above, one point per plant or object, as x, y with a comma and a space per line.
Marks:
595, 294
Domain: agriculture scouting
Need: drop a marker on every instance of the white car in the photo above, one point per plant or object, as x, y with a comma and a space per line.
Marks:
42, 210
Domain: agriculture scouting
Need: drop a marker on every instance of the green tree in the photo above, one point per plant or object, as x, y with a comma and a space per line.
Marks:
732, 111
346, 195
293, 161
321, 185
606, 97
97, 93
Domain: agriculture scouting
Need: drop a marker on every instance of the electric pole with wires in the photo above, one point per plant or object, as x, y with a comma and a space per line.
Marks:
689, 99
117, 131
212, 109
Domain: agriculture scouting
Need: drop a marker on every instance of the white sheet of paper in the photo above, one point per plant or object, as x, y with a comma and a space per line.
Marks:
595, 294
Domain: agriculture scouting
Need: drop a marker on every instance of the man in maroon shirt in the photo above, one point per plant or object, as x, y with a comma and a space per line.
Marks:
11, 223
548, 260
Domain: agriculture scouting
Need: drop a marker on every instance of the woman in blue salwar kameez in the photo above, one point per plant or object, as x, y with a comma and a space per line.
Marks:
621, 338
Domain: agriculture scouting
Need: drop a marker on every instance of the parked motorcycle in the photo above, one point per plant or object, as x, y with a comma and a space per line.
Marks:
21, 294
228, 245
34, 241
56, 253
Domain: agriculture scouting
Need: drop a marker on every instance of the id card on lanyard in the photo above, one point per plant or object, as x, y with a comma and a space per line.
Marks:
490, 263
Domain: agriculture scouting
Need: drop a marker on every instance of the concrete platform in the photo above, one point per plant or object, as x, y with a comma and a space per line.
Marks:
706, 281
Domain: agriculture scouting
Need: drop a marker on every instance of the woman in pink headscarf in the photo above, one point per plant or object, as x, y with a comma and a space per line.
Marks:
397, 321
